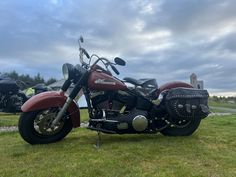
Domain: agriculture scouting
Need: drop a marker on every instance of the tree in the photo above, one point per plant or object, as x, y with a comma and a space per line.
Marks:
38, 79
28, 80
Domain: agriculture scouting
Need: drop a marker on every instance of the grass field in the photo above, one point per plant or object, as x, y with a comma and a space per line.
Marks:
208, 152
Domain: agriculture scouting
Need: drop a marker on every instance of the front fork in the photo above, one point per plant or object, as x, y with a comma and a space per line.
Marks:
62, 112
70, 98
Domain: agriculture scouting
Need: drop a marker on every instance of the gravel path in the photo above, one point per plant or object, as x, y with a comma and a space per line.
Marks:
9, 129
219, 114
230, 110
15, 128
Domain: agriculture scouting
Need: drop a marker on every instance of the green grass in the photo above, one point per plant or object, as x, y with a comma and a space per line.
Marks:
12, 119
8, 119
208, 152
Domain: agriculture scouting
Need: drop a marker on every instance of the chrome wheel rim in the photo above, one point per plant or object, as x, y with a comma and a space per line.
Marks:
43, 121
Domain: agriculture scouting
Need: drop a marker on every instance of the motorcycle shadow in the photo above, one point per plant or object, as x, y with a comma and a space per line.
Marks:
140, 139
111, 139
126, 138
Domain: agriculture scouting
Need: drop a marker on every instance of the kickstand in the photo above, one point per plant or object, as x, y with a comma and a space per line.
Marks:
98, 143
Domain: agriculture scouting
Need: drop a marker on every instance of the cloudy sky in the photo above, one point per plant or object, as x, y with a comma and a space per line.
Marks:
163, 39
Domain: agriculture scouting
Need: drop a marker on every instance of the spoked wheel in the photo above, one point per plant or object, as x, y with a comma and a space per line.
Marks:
182, 128
35, 127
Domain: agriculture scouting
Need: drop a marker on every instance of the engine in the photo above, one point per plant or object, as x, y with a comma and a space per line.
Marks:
113, 101
116, 112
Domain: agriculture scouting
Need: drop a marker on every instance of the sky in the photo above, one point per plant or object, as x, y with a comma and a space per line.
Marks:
163, 39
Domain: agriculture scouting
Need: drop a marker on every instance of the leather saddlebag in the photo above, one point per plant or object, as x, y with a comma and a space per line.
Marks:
187, 103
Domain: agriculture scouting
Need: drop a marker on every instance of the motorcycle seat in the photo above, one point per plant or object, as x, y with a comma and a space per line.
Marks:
147, 82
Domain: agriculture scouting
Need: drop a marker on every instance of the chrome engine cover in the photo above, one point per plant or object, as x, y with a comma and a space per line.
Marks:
140, 123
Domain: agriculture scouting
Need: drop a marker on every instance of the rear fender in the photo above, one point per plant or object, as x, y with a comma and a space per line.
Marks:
52, 99
171, 85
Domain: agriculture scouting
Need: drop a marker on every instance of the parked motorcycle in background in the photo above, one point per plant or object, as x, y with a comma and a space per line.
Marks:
113, 107
38, 88
11, 98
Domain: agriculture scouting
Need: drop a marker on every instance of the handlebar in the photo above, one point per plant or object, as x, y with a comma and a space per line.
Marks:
105, 61
85, 52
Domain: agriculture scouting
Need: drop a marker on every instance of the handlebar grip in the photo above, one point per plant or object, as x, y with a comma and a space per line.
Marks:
86, 53
115, 70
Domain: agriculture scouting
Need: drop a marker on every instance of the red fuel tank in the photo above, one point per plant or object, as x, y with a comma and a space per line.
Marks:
99, 80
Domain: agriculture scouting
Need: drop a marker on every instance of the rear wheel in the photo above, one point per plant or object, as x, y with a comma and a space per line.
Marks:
34, 127
188, 129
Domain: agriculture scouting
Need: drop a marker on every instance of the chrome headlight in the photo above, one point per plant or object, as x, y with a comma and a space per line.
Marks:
68, 71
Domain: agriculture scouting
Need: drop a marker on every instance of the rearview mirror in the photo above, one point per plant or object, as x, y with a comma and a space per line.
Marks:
119, 61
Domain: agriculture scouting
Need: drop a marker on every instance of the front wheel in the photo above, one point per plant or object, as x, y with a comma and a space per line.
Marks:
187, 130
34, 127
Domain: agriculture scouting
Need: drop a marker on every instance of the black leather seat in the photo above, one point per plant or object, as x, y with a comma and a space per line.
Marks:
133, 81
147, 82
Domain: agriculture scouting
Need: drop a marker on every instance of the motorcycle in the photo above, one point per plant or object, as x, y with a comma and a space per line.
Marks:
11, 98
113, 107
38, 88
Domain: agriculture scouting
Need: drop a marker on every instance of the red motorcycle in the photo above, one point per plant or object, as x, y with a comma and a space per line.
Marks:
174, 109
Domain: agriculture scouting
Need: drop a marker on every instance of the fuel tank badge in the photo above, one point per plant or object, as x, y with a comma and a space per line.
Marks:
104, 81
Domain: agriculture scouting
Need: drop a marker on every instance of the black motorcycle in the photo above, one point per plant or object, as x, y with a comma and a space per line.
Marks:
11, 98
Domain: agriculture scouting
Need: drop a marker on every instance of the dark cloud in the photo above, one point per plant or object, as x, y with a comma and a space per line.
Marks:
167, 40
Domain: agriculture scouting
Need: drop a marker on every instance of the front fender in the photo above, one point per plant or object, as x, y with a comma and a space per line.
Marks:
171, 85
52, 99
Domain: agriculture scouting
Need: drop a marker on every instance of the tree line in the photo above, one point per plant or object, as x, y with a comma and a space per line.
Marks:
27, 80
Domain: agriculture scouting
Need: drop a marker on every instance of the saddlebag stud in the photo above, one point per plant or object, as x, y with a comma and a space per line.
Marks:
180, 106
188, 106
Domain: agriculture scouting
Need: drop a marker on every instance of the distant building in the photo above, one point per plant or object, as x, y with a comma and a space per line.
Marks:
196, 83
58, 84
